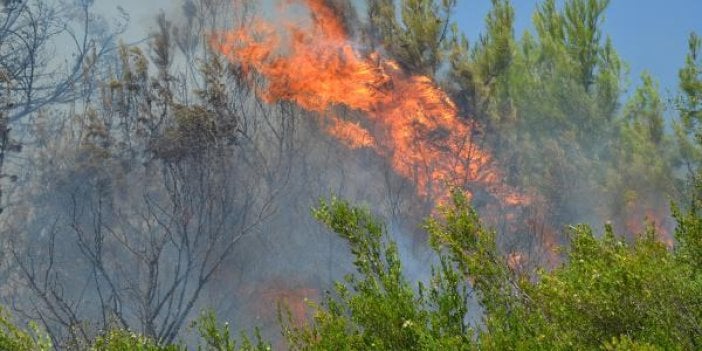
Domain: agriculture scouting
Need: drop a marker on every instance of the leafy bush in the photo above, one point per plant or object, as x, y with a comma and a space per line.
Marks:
608, 294
13, 338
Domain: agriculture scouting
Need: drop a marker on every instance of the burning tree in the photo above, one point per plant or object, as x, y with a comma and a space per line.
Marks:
405, 118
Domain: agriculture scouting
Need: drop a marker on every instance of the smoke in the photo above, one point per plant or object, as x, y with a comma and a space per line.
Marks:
370, 133
316, 114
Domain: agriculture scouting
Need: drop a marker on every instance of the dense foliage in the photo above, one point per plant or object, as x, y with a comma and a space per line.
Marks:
212, 337
611, 294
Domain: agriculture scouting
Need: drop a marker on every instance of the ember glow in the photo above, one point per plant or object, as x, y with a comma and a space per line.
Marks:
406, 119
637, 220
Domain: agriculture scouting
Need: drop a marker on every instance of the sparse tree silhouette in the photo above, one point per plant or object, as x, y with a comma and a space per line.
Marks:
158, 181
31, 78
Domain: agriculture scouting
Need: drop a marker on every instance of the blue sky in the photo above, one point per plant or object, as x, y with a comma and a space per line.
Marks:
649, 34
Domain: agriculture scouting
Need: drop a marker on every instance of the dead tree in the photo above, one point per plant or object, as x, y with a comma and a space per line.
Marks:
162, 179
47, 50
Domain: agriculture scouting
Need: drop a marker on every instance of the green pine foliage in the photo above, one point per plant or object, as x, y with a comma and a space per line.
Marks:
609, 294
554, 102
378, 308
212, 337
415, 32
13, 338
218, 338
689, 106
121, 340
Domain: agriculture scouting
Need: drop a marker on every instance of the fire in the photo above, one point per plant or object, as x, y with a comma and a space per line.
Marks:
638, 219
351, 134
407, 119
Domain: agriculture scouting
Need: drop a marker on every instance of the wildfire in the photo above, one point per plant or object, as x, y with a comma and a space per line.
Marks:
407, 119
638, 219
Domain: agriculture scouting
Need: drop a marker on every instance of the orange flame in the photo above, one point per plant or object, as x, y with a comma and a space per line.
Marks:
405, 118
637, 219
351, 134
